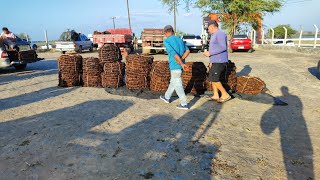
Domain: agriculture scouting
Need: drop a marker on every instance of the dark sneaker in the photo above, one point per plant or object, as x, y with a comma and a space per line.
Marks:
185, 107
165, 100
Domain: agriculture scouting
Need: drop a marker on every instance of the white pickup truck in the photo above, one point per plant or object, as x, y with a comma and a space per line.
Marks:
193, 42
71, 41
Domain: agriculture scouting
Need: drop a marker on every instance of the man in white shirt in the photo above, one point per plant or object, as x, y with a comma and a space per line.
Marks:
8, 37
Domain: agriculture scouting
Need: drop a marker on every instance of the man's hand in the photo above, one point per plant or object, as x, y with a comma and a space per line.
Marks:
185, 67
207, 54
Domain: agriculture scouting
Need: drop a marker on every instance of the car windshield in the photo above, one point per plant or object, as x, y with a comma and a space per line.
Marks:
240, 36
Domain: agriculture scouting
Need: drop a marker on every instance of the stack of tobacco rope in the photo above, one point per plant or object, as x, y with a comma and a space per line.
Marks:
109, 53
27, 55
249, 85
91, 72
228, 77
70, 70
113, 74
138, 71
160, 76
194, 78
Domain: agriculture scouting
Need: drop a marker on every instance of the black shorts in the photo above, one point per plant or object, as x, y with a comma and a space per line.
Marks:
215, 71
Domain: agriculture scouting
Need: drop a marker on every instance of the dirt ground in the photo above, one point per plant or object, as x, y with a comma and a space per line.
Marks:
48, 132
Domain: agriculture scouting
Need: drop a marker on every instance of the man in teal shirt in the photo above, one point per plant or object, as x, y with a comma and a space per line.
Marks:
177, 53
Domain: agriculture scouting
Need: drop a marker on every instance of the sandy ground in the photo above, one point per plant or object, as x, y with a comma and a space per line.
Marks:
48, 132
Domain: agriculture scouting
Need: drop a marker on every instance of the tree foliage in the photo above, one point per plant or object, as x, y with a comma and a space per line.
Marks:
23, 36
279, 31
233, 12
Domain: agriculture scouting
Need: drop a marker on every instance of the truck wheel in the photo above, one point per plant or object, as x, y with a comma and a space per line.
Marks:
91, 49
319, 66
80, 50
20, 66
63, 52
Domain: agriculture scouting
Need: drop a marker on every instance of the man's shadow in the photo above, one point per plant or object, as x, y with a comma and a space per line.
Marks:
295, 140
245, 71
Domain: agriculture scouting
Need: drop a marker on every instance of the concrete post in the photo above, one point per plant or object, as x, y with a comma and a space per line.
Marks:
315, 36
285, 35
272, 36
262, 37
300, 37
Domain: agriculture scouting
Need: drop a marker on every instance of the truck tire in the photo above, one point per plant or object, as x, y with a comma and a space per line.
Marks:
318, 66
91, 49
20, 66
63, 52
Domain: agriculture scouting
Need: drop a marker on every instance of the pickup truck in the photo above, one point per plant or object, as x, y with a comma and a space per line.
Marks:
18, 57
71, 41
193, 42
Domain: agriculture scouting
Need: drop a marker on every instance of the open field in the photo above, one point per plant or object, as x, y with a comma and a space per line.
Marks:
48, 132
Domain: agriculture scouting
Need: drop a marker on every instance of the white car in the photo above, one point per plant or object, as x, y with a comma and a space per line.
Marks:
71, 41
193, 42
288, 43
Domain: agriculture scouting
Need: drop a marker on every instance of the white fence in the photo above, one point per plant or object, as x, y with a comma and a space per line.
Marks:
300, 40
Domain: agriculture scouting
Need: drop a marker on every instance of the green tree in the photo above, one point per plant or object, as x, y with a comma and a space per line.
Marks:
172, 7
180, 33
279, 31
233, 12
23, 36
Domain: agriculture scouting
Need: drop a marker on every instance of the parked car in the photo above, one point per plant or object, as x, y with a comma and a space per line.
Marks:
11, 59
71, 41
288, 43
241, 42
193, 42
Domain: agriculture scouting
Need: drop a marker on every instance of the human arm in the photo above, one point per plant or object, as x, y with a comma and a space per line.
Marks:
176, 56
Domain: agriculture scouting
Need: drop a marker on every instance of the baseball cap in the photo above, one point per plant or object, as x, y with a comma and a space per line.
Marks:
210, 22
168, 28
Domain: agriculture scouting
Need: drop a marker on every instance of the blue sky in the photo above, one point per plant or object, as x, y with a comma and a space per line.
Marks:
88, 15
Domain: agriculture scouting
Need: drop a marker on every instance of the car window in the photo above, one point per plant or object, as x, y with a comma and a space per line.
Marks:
240, 36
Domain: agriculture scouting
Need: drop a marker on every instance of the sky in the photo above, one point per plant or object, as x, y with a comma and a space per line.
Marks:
86, 16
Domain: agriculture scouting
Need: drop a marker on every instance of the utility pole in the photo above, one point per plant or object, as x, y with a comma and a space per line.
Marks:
128, 14
114, 25
175, 16
46, 38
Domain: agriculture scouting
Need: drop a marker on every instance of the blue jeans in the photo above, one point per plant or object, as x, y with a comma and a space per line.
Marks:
176, 85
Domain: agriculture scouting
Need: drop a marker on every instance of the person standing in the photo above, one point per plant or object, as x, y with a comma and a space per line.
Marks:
9, 37
218, 54
177, 53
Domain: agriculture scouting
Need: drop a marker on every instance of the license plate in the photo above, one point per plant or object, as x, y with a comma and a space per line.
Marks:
241, 47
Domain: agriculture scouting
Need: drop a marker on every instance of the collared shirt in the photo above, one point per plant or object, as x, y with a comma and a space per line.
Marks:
175, 46
218, 47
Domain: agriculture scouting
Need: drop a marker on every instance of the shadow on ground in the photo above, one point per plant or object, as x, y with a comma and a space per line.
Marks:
314, 72
295, 140
80, 141
41, 68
